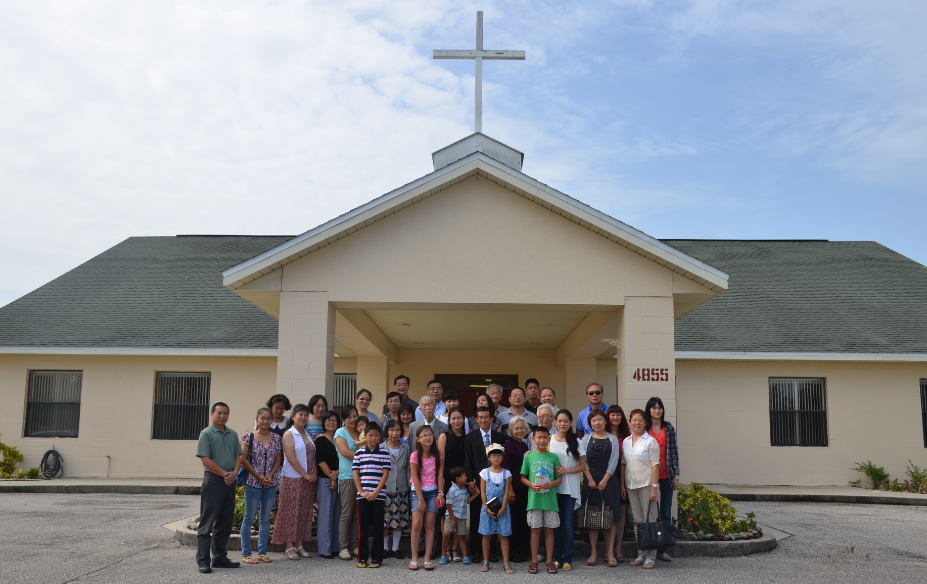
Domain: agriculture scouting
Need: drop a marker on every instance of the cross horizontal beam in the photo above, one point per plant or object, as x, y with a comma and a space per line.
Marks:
500, 55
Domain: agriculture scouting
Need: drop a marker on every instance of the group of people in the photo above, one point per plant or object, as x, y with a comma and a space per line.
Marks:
510, 472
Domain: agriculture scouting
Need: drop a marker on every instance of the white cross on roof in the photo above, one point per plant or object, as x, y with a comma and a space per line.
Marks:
479, 54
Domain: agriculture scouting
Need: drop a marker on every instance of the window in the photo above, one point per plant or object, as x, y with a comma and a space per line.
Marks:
53, 404
797, 412
345, 390
924, 409
181, 408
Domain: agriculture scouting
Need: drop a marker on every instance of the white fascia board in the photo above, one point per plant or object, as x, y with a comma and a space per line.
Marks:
233, 276
771, 356
138, 351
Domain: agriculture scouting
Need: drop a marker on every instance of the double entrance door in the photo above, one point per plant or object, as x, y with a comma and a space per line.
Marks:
469, 386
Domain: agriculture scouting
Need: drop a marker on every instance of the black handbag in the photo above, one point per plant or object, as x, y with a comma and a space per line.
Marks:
242, 476
656, 535
595, 519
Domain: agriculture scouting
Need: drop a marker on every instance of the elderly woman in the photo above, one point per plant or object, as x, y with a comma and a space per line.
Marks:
640, 467
603, 488
515, 450
297, 487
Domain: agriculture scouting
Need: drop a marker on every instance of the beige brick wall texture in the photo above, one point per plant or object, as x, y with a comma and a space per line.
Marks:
873, 413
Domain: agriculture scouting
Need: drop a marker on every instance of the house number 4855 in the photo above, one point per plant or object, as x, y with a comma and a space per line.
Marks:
651, 374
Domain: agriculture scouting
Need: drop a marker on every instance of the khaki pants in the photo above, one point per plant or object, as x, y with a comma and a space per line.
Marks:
347, 528
640, 501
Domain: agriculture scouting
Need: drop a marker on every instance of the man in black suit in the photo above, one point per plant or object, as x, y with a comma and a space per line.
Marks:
475, 460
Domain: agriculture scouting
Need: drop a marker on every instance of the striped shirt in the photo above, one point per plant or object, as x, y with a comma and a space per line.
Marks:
371, 466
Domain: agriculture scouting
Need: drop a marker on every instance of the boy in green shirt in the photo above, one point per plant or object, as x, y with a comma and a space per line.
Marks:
538, 474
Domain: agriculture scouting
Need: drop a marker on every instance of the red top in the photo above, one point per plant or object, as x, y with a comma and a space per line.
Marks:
661, 440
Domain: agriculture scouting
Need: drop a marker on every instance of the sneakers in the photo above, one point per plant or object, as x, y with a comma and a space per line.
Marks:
344, 555
354, 553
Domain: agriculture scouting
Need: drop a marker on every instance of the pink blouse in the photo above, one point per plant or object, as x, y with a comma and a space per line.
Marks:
428, 471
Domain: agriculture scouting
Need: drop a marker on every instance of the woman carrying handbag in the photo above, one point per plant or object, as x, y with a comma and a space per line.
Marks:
640, 467
603, 487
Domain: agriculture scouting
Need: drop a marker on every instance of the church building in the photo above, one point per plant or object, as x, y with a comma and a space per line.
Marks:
780, 362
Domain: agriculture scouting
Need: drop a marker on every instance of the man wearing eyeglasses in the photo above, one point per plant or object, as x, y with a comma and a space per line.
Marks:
436, 391
595, 395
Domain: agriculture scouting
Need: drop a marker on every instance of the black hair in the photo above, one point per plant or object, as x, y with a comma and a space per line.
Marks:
279, 398
393, 422
450, 395
491, 407
315, 400
330, 414
393, 394
346, 412
406, 407
296, 409
654, 401
484, 409
542, 429
365, 419
550, 388
406, 377
571, 437
212, 410
432, 382
457, 472
531, 380
462, 414
367, 391
262, 410
373, 427
521, 389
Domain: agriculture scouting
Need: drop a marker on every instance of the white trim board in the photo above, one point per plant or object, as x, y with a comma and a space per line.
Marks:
138, 351
770, 356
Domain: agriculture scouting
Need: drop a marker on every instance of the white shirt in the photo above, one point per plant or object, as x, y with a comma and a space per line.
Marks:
570, 484
639, 460
483, 436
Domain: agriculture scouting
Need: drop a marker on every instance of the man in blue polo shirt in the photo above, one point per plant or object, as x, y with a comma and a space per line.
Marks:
220, 453
595, 395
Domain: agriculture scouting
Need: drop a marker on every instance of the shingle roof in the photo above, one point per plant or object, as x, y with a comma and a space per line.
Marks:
146, 292
808, 296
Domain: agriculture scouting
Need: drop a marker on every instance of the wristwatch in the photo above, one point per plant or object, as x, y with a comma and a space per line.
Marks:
656, 485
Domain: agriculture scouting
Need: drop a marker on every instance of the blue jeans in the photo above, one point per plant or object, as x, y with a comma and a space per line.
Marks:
329, 516
431, 498
255, 499
563, 535
666, 504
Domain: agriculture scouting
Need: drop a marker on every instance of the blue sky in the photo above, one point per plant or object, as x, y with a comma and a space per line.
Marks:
698, 119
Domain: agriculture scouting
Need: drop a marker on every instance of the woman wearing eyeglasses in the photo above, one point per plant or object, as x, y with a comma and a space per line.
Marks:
363, 399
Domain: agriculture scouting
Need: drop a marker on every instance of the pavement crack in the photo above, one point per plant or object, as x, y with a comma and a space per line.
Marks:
100, 569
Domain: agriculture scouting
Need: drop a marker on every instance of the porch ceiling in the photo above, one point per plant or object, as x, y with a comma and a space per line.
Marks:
476, 329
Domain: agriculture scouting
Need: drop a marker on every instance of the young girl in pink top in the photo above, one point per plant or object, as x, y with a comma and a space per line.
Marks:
427, 491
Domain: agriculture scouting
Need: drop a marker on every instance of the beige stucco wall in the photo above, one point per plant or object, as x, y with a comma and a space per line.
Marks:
472, 243
116, 410
873, 412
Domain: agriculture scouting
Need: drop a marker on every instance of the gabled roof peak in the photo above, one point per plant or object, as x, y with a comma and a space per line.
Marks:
478, 142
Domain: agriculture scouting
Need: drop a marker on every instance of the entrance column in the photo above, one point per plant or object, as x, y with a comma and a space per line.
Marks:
647, 357
373, 374
579, 372
305, 352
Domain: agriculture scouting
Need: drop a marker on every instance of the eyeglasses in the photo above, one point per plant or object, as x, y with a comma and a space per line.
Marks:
363, 399
594, 393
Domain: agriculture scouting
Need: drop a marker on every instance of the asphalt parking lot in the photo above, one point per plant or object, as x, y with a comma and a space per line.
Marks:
119, 538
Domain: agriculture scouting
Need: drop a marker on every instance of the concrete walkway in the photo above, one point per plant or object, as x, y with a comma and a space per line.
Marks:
191, 486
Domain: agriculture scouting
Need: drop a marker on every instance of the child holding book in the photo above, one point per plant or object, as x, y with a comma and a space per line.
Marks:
455, 522
371, 469
538, 473
495, 488
427, 492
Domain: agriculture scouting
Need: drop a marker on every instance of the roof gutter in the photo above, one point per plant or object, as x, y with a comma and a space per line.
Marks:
773, 356
138, 351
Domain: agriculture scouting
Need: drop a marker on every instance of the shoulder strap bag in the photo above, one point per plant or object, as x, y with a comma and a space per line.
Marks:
594, 519
242, 477
655, 535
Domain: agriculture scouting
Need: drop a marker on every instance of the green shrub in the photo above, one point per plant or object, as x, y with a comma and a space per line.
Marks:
701, 509
11, 457
917, 475
32, 473
876, 474
21, 474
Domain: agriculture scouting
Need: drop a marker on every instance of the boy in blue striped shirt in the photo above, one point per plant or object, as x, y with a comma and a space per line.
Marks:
371, 469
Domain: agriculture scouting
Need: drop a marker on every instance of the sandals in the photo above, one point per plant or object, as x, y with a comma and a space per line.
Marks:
485, 566
551, 568
361, 564
295, 555
303, 553
638, 561
508, 568
533, 568
457, 556
413, 566
428, 566
592, 561
648, 565
619, 559
613, 563
567, 567
249, 560
373, 565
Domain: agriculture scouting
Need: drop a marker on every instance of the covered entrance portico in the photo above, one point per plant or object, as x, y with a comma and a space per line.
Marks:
477, 268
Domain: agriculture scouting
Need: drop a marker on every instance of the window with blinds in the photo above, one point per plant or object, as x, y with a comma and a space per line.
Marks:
181, 408
345, 390
53, 404
797, 412
924, 409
